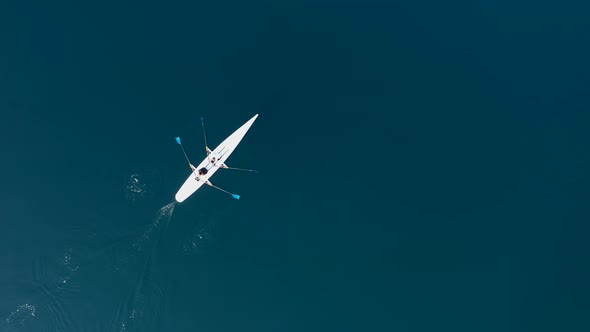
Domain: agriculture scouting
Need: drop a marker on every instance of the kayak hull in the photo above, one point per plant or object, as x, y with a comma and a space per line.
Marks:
221, 153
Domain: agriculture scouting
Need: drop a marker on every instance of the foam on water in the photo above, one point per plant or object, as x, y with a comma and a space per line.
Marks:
140, 309
57, 290
20, 318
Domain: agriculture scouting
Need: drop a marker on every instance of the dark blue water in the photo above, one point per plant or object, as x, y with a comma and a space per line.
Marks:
423, 166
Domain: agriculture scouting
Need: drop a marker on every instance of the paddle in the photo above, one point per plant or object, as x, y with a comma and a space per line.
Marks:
223, 190
205, 136
240, 169
185, 155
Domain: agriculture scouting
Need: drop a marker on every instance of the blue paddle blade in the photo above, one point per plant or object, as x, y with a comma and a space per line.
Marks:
178, 140
202, 119
236, 196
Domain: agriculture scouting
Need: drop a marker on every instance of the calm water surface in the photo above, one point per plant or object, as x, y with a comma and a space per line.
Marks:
423, 166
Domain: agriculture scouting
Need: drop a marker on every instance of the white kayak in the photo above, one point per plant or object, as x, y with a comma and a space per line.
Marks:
213, 162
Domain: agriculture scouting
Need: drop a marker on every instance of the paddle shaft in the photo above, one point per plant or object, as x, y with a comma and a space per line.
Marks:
187, 159
240, 169
185, 155
205, 136
222, 190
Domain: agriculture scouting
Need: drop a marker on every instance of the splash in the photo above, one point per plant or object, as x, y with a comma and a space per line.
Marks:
141, 186
54, 283
21, 317
199, 240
